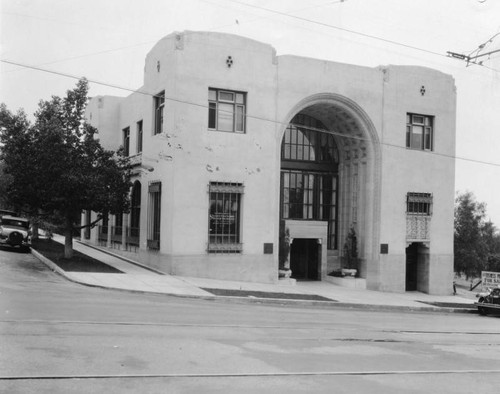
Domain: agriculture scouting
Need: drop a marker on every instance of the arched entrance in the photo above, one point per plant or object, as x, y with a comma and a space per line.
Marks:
328, 184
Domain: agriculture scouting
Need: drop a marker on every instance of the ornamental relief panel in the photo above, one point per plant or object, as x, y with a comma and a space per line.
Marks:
418, 228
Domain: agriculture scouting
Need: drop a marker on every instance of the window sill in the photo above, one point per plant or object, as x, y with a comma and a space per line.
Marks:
225, 248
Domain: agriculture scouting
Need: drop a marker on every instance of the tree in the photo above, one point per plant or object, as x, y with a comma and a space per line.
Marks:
58, 167
471, 248
13, 130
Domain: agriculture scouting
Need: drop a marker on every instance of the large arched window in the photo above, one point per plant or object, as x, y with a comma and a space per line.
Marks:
309, 169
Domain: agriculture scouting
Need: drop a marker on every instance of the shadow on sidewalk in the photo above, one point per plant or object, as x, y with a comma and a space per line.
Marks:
80, 262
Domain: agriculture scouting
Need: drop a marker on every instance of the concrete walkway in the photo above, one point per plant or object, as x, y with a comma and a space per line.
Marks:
138, 278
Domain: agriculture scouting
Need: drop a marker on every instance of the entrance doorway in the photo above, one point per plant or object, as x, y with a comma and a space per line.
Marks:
412, 263
304, 259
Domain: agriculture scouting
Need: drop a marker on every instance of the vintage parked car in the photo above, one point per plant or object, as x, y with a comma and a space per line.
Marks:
15, 231
489, 301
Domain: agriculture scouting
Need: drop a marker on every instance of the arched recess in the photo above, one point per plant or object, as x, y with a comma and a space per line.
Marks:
135, 210
358, 172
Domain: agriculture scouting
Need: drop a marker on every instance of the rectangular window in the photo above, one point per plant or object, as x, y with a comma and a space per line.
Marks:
419, 132
139, 136
310, 196
154, 216
159, 103
126, 141
226, 110
419, 204
224, 217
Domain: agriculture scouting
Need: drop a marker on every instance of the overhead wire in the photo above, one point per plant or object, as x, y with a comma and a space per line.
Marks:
248, 115
151, 41
286, 14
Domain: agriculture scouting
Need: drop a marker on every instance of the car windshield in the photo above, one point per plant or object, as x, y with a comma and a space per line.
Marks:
15, 222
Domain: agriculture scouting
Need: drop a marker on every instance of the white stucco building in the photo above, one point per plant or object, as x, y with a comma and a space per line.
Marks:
229, 140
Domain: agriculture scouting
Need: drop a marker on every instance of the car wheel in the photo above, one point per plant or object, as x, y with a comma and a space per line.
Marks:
15, 238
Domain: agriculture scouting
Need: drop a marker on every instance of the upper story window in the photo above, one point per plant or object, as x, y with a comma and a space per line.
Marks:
139, 136
419, 204
419, 132
302, 142
159, 107
126, 141
226, 110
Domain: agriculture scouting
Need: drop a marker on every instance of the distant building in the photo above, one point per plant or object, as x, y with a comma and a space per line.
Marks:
229, 140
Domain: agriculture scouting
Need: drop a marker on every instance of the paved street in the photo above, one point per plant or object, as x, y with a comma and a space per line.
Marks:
62, 337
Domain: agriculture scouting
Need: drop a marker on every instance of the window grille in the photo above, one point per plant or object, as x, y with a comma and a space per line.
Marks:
154, 216
419, 132
224, 232
226, 110
159, 102
419, 204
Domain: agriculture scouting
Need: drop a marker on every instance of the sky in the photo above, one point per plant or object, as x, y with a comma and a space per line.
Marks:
52, 43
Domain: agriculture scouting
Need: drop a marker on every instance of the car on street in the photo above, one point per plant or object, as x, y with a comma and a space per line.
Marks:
489, 301
15, 231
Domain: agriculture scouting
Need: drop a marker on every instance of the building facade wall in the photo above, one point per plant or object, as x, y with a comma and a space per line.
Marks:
365, 108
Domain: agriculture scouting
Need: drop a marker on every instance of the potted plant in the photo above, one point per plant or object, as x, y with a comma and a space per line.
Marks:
350, 255
284, 251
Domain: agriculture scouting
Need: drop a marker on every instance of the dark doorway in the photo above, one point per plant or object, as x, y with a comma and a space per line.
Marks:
304, 259
411, 267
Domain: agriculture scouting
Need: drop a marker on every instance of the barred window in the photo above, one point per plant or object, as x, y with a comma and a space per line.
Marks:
224, 217
226, 110
419, 204
419, 132
154, 215
159, 102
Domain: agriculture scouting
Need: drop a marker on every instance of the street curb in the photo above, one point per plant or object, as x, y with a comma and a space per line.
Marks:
267, 301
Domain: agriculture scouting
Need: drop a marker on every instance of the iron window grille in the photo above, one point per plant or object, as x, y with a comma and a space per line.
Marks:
159, 103
154, 216
419, 204
226, 110
419, 132
224, 227
126, 141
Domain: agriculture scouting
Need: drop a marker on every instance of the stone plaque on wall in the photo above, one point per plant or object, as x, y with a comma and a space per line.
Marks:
418, 228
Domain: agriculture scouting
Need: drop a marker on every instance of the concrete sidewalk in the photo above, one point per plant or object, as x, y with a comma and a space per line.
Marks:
138, 278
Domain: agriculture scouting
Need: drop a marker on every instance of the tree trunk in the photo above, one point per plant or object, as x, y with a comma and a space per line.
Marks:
68, 239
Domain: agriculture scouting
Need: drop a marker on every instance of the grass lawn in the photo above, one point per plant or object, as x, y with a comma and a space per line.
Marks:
80, 262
